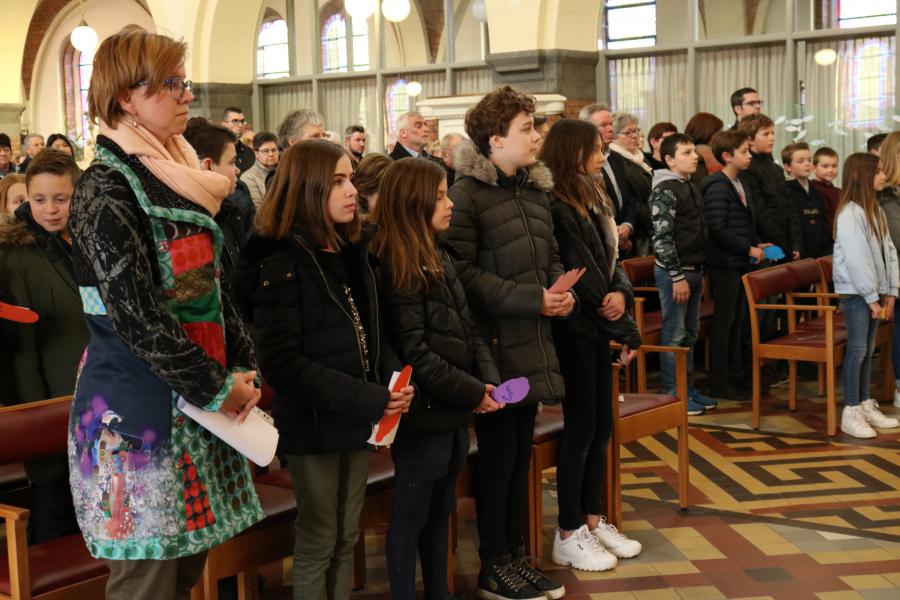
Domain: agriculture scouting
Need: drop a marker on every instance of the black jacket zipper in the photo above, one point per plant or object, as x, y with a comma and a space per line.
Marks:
537, 279
362, 362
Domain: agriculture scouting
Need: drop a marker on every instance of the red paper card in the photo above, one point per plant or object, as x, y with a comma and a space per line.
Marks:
567, 280
11, 312
388, 425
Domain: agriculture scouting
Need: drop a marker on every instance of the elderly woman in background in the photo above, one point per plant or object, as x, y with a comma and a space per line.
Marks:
153, 490
638, 176
702, 127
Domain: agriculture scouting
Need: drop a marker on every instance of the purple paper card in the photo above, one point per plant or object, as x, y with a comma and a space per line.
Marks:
511, 391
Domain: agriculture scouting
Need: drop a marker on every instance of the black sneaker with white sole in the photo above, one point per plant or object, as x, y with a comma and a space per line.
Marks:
500, 580
551, 589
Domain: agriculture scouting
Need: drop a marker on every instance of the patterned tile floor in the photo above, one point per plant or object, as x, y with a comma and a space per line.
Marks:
779, 513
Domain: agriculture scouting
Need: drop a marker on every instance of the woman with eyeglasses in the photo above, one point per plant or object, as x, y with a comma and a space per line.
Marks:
638, 177
153, 490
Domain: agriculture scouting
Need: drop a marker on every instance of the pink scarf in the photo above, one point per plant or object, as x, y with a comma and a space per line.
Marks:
174, 164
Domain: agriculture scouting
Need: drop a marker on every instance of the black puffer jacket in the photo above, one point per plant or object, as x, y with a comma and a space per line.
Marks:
731, 226
503, 232
776, 218
308, 348
590, 243
235, 219
434, 332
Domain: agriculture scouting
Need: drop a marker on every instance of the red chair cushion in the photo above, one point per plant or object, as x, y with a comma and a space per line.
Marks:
770, 282
652, 322
548, 425
806, 273
51, 419
826, 263
56, 564
817, 323
809, 338
638, 403
12, 476
640, 270
277, 477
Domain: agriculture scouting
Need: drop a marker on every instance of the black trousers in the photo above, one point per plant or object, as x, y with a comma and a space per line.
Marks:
52, 511
420, 520
587, 409
501, 478
729, 316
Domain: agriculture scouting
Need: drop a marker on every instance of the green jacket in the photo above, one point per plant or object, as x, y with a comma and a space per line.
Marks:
36, 272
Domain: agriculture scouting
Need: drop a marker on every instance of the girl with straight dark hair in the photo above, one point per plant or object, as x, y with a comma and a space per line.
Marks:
309, 285
432, 329
585, 229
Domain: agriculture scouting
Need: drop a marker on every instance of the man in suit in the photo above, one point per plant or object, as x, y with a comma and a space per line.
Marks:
613, 172
413, 136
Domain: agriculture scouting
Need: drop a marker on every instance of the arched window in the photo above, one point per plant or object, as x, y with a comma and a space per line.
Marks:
870, 95
77, 69
344, 41
396, 102
272, 50
334, 44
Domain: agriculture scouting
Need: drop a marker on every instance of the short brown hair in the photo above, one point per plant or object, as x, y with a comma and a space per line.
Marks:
54, 162
131, 56
727, 141
703, 126
751, 124
824, 151
5, 184
298, 196
787, 153
368, 175
208, 139
660, 129
493, 115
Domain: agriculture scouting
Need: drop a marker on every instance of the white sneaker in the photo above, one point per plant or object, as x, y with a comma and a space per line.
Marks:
875, 418
853, 422
897, 397
615, 541
582, 551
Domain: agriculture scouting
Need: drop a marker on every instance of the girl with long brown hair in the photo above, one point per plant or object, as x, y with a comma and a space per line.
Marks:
309, 286
585, 230
431, 329
866, 277
889, 198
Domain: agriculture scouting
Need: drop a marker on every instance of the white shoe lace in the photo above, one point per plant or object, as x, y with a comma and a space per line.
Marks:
588, 540
873, 408
611, 530
857, 420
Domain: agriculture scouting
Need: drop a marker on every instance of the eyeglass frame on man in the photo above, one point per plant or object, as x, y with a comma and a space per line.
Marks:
186, 86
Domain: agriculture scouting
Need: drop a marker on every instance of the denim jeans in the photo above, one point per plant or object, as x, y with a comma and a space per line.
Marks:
680, 323
895, 345
861, 329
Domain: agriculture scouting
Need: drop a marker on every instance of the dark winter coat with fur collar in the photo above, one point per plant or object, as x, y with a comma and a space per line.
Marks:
503, 231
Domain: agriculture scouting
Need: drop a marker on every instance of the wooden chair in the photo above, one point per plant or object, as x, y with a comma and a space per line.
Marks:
649, 323
825, 344
61, 569
548, 428
270, 540
640, 415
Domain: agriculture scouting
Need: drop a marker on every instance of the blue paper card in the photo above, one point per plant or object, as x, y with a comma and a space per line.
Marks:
773, 252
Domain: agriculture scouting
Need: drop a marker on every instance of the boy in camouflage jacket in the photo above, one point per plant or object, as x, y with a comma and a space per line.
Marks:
679, 243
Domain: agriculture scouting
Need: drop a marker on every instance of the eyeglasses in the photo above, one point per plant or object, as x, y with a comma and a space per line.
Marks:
632, 132
177, 86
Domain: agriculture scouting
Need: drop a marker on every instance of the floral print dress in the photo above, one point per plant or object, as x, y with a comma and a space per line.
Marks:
147, 481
